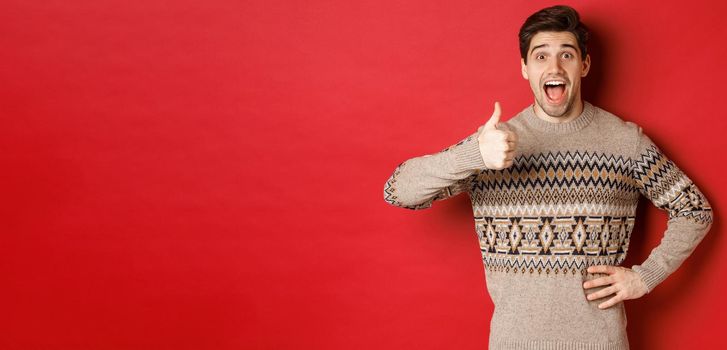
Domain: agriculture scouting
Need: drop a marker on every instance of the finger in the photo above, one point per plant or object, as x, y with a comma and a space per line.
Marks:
495, 118
501, 135
511, 145
602, 293
601, 268
610, 302
503, 126
511, 135
601, 281
506, 147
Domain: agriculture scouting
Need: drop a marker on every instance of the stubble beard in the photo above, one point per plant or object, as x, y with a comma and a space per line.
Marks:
553, 111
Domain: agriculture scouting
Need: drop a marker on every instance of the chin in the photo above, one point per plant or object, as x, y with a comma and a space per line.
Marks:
555, 111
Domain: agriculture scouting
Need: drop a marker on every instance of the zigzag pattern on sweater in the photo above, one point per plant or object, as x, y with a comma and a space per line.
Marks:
552, 170
557, 183
556, 265
596, 200
658, 178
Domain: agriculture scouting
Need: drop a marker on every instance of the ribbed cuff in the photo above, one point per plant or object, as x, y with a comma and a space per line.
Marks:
467, 156
650, 273
513, 344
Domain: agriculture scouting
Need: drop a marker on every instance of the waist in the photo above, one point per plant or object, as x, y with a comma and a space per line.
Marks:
552, 310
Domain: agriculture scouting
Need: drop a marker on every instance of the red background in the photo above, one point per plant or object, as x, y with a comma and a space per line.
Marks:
209, 175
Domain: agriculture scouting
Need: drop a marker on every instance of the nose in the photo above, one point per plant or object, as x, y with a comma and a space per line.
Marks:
555, 67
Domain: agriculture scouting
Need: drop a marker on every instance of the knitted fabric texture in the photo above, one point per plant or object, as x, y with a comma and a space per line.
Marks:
568, 202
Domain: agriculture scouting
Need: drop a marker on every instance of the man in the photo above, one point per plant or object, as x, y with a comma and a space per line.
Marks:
554, 192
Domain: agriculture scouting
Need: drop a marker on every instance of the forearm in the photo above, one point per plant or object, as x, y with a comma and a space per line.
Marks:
691, 218
417, 182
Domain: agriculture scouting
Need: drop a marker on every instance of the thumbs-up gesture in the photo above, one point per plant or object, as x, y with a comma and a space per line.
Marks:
497, 142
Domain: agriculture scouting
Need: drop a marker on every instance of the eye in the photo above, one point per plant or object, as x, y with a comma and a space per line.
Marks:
567, 55
540, 56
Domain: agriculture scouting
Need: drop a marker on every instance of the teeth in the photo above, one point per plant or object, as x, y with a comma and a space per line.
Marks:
554, 83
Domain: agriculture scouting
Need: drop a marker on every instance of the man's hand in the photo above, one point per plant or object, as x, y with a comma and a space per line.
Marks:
625, 282
497, 142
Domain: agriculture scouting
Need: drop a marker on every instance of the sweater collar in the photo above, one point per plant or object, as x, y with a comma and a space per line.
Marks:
576, 124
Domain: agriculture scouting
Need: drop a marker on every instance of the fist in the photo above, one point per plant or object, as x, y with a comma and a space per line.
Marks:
497, 142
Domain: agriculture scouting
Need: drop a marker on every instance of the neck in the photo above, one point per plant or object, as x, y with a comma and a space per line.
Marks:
583, 120
573, 114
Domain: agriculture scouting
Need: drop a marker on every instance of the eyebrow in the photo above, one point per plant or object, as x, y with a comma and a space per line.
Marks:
546, 45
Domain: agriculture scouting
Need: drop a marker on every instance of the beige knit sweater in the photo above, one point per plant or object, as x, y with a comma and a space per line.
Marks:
567, 203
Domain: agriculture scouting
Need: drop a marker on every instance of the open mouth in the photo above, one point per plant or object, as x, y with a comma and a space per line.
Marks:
554, 91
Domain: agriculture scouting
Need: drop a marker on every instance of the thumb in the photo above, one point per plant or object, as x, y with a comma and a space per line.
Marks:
495, 118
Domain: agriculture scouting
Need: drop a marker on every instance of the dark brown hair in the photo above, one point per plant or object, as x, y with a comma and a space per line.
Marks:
559, 18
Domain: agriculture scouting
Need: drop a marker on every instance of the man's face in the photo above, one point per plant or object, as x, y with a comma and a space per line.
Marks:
554, 70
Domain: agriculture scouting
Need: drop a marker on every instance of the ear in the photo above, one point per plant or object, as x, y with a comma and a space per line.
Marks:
586, 65
523, 69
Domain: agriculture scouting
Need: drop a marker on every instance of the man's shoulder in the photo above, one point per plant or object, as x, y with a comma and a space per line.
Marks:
611, 121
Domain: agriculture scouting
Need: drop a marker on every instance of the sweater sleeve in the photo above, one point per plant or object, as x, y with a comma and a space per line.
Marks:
669, 189
419, 181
